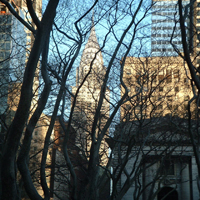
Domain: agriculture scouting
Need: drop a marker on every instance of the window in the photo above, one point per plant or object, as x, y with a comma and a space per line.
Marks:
169, 98
186, 98
128, 80
160, 89
169, 75
153, 89
128, 71
160, 107
153, 98
169, 88
128, 107
176, 76
167, 167
28, 34
153, 77
185, 80
159, 98
145, 89
137, 89
7, 45
2, 9
169, 106
161, 76
89, 105
138, 77
177, 89
137, 107
143, 97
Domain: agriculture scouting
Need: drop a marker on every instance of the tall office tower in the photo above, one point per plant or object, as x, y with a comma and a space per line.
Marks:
91, 71
15, 43
166, 28
12, 56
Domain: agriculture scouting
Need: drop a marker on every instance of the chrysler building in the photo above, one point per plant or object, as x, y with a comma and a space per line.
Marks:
89, 78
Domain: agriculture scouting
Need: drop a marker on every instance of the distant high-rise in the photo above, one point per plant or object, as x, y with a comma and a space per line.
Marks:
165, 29
15, 44
12, 54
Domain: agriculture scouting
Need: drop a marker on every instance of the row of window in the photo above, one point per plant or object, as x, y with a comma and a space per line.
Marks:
162, 28
164, 13
198, 21
163, 21
5, 19
4, 37
165, 42
5, 46
169, 106
198, 12
164, 50
5, 29
163, 35
4, 55
166, 6
168, 74
160, 89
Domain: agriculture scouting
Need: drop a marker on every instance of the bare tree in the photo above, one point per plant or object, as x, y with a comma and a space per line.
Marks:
78, 132
8, 170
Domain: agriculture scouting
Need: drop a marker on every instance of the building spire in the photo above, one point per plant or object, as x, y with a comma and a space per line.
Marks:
92, 38
93, 17
91, 48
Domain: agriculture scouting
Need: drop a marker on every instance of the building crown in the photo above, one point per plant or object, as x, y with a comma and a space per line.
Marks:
92, 50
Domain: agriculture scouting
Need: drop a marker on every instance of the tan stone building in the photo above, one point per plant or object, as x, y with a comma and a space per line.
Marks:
157, 86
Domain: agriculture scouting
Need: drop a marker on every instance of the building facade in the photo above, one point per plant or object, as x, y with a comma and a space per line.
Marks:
12, 61
157, 86
165, 29
15, 44
161, 163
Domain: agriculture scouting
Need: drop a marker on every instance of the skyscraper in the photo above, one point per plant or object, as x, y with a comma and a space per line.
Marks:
15, 43
165, 29
12, 59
